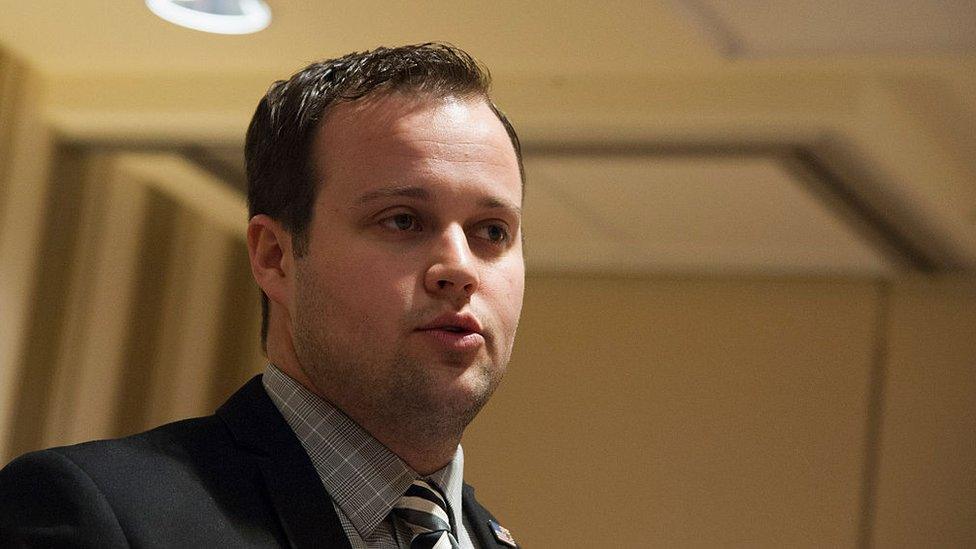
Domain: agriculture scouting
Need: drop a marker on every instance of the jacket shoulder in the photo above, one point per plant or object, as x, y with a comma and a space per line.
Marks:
182, 484
48, 500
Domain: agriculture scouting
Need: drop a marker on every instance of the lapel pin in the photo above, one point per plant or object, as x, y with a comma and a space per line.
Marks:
502, 534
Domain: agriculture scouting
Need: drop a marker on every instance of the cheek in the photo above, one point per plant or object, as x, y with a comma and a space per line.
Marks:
506, 295
515, 304
370, 273
516, 284
382, 292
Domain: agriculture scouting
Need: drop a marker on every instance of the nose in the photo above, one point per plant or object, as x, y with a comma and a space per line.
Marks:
453, 272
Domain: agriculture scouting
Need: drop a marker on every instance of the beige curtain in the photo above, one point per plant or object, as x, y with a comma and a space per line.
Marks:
24, 153
141, 308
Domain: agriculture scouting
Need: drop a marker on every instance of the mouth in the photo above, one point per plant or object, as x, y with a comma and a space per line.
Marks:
459, 332
455, 323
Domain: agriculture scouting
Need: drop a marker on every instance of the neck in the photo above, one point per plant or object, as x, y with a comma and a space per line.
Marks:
424, 452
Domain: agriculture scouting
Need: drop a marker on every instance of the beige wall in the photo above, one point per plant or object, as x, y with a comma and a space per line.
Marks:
927, 469
702, 412
683, 412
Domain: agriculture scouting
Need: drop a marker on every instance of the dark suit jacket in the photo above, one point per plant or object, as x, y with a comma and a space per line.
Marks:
238, 478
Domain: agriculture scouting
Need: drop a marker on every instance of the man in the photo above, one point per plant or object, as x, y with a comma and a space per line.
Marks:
385, 193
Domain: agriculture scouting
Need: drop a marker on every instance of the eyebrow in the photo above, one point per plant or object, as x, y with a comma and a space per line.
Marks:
420, 193
403, 191
498, 204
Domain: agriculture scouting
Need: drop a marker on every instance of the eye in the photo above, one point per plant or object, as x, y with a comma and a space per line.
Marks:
402, 222
496, 233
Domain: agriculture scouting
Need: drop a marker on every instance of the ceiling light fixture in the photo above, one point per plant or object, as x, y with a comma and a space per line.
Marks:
219, 16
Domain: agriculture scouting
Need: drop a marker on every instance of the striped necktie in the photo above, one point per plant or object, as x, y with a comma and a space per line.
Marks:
423, 510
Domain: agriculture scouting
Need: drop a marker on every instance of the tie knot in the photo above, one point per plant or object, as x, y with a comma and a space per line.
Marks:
424, 511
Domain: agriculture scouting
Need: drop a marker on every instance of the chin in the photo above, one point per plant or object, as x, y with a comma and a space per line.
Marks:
474, 389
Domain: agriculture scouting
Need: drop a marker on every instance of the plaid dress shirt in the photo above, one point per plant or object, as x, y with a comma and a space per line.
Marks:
363, 477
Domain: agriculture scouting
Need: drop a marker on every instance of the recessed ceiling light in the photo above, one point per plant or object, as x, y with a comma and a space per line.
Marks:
219, 16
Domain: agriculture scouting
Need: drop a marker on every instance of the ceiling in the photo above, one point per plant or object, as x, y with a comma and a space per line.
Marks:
508, 35
750, 29
668, 213
564, 37
794, 137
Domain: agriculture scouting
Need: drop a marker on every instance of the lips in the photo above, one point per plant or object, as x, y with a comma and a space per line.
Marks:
454, 323
458, 332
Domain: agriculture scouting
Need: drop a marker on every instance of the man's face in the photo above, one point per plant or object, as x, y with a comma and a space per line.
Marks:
407, 301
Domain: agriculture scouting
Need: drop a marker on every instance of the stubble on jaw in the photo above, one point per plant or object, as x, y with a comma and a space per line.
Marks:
399, 399
437, 417
404, 408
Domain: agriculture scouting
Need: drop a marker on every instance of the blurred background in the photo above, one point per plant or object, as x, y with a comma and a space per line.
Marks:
750, 316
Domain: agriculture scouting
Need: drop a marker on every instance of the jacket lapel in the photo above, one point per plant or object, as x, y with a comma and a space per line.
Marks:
303, 506
478, 518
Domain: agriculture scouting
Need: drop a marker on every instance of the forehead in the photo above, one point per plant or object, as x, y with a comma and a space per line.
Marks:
378, 140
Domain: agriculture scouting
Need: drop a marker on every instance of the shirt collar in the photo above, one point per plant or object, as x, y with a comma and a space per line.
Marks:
450, 480
363, 477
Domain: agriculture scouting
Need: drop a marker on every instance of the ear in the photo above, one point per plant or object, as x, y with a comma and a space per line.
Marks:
272, 262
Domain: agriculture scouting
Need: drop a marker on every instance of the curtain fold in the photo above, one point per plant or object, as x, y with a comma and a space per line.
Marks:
25, 147
142, 310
